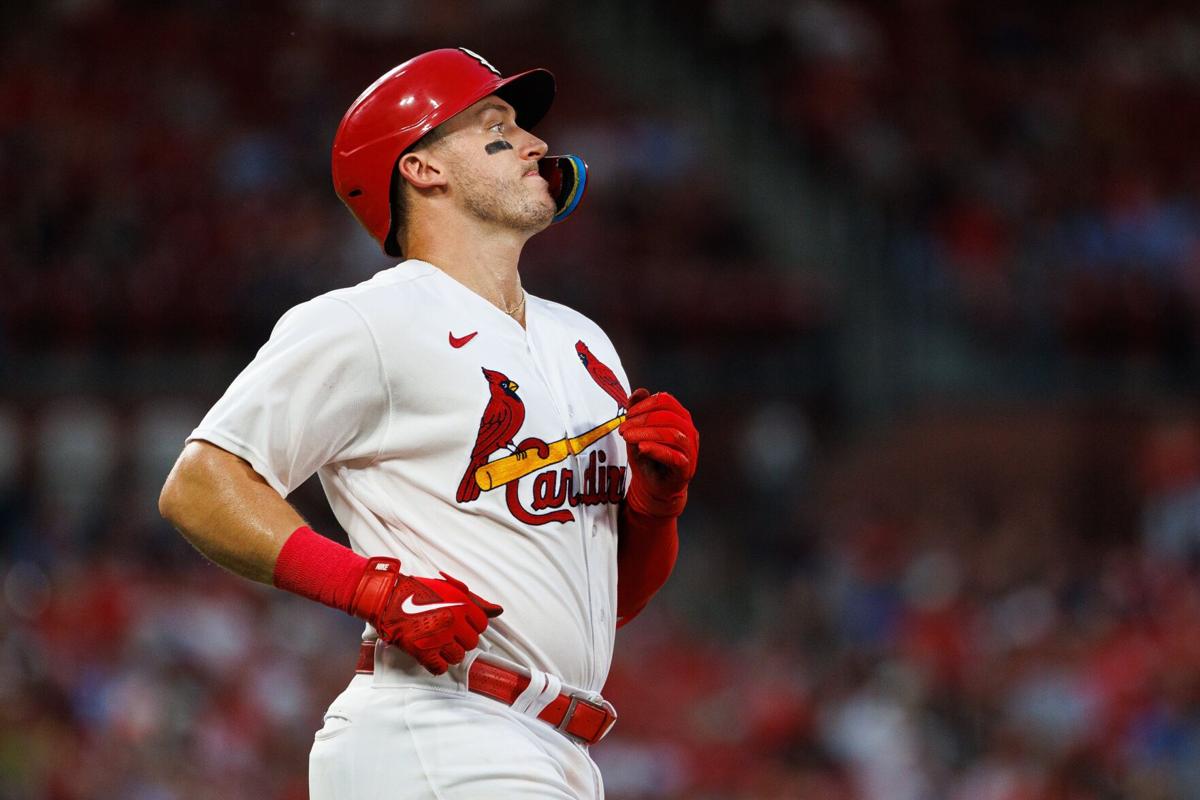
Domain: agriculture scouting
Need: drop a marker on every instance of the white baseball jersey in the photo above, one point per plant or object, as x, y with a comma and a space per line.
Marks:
396, 391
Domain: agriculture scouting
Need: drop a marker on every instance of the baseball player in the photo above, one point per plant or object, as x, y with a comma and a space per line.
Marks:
509, 502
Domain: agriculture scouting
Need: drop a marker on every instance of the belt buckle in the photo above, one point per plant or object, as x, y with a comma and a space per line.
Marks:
610, 716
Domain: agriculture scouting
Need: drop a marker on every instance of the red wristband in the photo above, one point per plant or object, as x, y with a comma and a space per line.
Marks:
319, 568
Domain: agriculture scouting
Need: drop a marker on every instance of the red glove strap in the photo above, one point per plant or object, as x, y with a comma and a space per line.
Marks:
319, 568
375, 586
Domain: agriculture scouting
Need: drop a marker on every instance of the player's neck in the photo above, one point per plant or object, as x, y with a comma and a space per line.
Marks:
484, 261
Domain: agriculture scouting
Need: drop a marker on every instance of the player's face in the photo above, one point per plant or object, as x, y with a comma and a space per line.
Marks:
493, 167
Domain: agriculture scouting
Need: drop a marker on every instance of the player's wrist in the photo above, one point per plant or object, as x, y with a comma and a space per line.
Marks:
379, 578
655, 506
316, 567
639, 523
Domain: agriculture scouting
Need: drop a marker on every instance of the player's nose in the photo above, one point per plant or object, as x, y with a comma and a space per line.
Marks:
533, 148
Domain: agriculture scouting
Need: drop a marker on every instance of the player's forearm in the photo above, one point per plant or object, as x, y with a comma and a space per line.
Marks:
227, 511
646, 551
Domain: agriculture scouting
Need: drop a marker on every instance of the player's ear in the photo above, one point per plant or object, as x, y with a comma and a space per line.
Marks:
422, 169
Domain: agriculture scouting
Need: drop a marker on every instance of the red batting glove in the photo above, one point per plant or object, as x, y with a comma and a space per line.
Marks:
435, 621
663, 446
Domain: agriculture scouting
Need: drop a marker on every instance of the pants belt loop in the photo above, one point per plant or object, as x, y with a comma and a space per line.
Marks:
542, 689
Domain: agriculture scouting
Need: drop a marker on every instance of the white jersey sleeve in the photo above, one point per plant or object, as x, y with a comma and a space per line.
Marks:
315, 394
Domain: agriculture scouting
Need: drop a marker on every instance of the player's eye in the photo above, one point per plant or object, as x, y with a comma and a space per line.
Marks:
498, 127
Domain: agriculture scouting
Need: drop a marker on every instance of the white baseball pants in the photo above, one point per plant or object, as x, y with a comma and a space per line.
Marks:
441, 743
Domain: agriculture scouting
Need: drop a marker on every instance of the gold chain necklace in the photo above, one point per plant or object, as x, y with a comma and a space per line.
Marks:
512, 312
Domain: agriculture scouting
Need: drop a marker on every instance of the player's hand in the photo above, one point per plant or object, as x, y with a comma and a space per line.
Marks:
663, 446
436, 621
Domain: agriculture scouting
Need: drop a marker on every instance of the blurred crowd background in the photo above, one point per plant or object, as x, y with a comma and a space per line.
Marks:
926, 272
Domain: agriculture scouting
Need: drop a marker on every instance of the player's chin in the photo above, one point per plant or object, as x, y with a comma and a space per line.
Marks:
542, 212
545, 219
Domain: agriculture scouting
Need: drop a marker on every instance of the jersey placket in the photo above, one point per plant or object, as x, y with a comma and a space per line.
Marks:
584, 519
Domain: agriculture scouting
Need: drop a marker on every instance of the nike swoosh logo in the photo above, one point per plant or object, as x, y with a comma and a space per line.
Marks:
409, 607
459, 341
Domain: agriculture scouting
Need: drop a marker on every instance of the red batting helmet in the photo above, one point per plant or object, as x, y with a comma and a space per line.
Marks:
405, 104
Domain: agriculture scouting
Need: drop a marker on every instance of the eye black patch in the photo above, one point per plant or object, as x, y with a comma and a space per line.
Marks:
491, 148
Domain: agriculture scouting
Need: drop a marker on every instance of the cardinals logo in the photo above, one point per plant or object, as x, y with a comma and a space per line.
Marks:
502, 418
603, 376
499, 426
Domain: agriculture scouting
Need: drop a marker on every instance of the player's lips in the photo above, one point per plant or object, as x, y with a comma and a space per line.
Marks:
533, 173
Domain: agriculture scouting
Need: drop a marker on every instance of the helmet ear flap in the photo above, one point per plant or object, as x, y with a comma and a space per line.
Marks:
396, 204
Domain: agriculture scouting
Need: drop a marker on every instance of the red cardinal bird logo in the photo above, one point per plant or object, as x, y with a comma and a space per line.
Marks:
603, 376
502, 418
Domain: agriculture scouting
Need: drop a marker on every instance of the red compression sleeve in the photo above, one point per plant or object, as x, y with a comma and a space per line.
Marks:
319, 568
646, 551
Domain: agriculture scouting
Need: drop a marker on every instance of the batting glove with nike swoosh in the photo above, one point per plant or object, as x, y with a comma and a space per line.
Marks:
436, 621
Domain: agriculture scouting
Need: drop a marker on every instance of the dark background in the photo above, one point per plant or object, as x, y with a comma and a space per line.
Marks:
926, 273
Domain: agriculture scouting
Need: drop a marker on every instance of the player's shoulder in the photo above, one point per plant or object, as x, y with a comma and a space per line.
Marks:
385, 292
568, 318
406, 279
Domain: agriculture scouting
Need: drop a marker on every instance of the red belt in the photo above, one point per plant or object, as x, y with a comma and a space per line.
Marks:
573, 715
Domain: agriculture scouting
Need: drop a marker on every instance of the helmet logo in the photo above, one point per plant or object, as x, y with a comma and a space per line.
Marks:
480, 59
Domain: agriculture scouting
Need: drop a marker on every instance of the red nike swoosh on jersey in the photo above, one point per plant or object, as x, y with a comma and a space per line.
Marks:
459, 341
